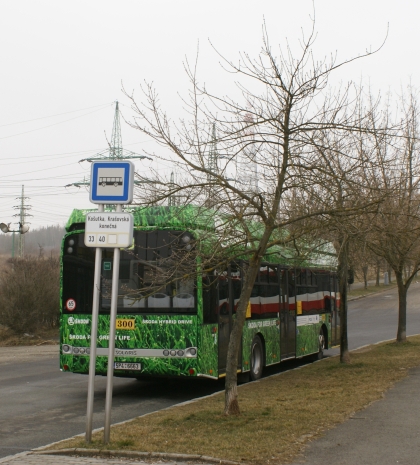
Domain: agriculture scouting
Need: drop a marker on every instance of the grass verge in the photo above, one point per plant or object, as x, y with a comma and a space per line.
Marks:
362, 292
279, 414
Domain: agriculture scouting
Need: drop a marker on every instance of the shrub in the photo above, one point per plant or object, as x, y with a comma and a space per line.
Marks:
29, 294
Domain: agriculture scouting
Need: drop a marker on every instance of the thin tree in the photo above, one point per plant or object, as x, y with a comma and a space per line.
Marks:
265, 141
395, 234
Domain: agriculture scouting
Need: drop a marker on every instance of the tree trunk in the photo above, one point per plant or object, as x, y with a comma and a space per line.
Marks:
342, 276
231, 382
402, 308
378, 269
365, 273
235, 340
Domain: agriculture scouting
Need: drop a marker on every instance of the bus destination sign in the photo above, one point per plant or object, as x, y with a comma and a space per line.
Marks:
109, 229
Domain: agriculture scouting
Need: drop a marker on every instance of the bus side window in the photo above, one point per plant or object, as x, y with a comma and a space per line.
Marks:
223, 301
324, 286
210, 303
291, 283
236, 289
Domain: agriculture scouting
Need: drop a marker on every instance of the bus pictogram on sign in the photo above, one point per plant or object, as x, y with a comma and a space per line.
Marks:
114, 181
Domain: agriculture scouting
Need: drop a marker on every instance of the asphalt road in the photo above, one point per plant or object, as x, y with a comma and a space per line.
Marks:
375, 318
40, 405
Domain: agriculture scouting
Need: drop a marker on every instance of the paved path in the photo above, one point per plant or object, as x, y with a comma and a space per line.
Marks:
387, 432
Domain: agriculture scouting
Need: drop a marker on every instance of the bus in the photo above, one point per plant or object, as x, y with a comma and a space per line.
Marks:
175, 323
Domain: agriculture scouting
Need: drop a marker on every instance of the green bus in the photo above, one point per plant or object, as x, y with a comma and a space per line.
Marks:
171, 322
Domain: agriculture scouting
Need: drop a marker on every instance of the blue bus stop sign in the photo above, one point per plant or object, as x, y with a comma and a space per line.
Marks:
111, 182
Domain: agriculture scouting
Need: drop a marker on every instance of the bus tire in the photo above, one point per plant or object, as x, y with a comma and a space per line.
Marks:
321, 345
257, 359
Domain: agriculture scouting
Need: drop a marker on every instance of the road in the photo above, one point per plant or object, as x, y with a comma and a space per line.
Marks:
40, 405
375, 318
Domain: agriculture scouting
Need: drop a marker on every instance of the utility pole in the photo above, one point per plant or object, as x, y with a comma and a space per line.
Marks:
23, 208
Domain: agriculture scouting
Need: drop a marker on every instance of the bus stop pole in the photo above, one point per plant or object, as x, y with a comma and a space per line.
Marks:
111, 345
93, 338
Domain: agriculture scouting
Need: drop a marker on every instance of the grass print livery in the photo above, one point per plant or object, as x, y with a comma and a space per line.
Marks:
172, 321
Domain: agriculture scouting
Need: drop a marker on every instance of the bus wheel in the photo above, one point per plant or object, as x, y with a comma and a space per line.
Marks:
321, 345
257, 359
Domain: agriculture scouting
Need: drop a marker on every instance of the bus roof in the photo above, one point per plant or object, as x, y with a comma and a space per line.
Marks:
202, 220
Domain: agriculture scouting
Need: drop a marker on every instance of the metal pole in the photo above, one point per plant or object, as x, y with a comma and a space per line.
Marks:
111, 345
93, 339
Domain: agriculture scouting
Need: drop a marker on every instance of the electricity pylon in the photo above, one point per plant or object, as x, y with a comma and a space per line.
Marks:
213, 156
23, 214
212, 168
115, 149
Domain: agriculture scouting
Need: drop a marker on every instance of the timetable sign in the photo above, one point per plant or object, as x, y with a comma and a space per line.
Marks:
110, 230
112, 182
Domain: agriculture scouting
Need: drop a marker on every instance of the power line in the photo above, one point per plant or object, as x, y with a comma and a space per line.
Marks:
53, 116
50, 125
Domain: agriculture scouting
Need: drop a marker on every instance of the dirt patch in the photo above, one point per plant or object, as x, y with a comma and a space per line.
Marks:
9, 338
27, 353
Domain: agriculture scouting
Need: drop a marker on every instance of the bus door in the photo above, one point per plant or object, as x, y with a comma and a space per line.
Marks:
287, 314
224, 320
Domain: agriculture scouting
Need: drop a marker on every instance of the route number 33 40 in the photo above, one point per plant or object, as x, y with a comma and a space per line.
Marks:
92, 239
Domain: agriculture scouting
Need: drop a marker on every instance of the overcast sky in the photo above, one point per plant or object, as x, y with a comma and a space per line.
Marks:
63, 65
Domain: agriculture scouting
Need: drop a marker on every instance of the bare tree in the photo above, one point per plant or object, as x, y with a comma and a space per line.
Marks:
267, 150
395, 231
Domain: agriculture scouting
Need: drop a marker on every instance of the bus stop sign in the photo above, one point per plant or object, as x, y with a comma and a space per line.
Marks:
111, 182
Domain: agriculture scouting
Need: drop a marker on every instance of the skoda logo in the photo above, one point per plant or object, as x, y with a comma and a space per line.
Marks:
70, 321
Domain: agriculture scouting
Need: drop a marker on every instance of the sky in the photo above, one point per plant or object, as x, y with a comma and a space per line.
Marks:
64, 64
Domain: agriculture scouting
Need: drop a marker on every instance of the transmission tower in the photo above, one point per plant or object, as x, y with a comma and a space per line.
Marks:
212, 167
171, 198
23, 214
213, 155
247, 166
115, 149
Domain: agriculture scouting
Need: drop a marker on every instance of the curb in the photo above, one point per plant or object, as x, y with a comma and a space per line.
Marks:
10, 457
136, 454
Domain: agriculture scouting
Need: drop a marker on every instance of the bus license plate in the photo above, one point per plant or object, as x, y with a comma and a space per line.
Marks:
127, 366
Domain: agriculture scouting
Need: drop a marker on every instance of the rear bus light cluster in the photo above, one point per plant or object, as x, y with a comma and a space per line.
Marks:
190, 352
180, 353
75, 350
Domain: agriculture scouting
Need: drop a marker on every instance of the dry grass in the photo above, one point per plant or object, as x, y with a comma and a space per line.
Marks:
370, 290
9, 338
279, 414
